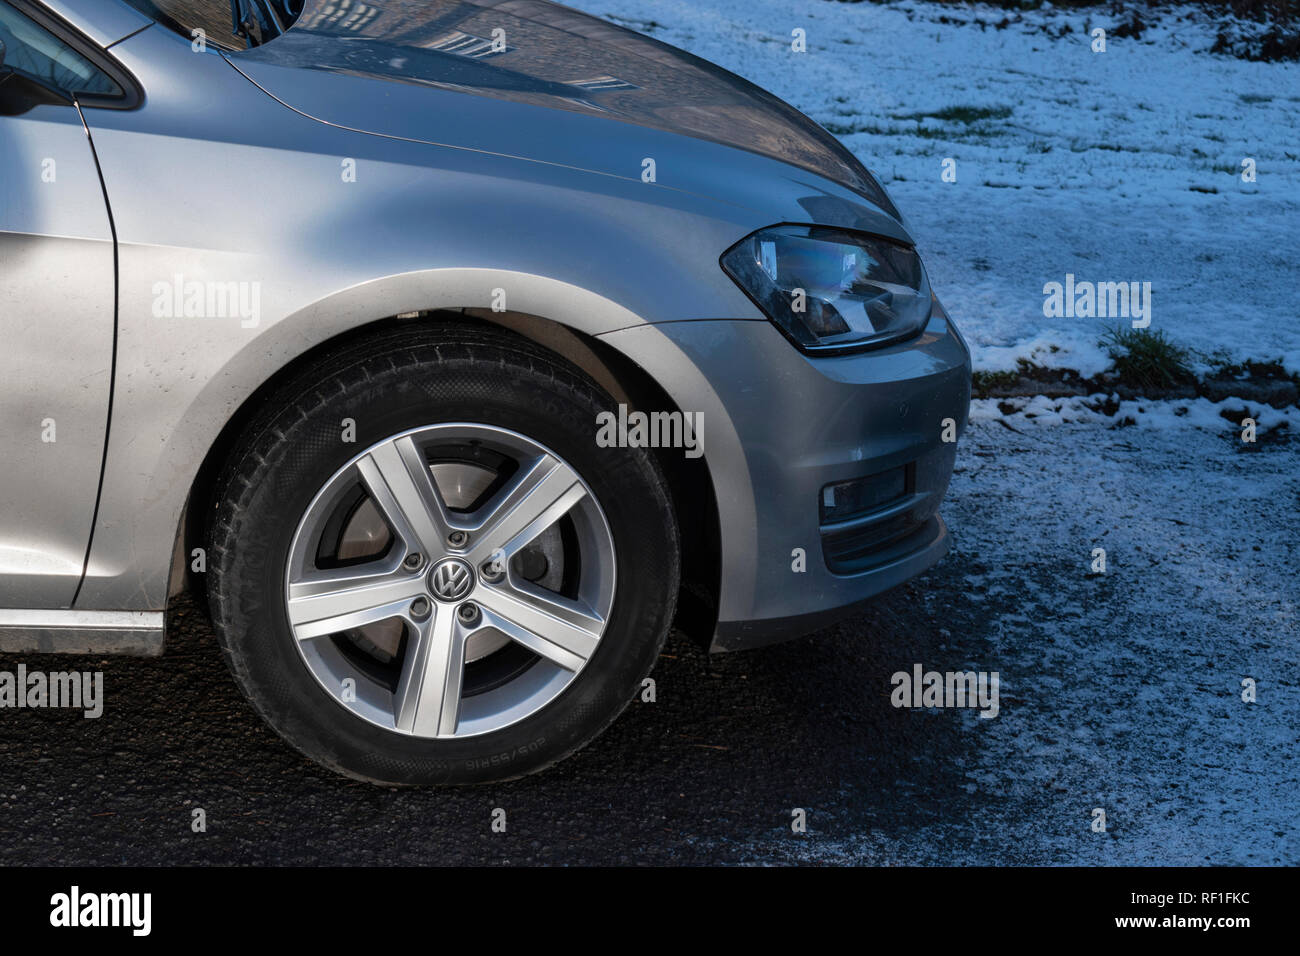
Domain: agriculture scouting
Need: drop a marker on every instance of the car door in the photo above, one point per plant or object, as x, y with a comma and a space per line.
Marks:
56, 309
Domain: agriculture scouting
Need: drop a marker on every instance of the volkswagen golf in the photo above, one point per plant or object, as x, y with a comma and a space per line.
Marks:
450, 352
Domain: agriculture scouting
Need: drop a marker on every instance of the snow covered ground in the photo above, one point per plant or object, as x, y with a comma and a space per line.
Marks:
1226, 417
1116, 166
1119, 691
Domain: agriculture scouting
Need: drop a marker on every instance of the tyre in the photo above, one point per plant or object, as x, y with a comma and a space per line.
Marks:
423, 569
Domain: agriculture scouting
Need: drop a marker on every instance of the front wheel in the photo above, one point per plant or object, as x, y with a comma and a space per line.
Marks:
425, 570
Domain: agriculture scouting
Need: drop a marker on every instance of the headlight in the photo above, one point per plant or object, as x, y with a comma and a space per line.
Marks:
831, 290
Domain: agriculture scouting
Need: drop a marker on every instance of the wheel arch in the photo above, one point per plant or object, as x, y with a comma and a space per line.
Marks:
690, 480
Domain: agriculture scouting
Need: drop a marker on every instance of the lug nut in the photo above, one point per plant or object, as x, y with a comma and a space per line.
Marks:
420, 607
457, 539
467, 613
492, 570
413, 561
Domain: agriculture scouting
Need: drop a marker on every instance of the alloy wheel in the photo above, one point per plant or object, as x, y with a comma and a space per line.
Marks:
450, 580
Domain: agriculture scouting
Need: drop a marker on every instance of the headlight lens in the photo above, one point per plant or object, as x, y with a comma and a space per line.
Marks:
831, 290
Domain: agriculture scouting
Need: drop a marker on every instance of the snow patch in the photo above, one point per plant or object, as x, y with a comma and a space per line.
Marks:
1110, 410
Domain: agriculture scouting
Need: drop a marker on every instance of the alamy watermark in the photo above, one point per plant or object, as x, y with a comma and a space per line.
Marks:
651, 430
1099, 300
75, 909
922, 688
75, 690
195, 299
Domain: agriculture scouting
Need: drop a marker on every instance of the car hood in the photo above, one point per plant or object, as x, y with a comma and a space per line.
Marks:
533, 58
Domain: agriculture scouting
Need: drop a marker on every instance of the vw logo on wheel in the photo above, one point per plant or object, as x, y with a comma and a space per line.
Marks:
451, 579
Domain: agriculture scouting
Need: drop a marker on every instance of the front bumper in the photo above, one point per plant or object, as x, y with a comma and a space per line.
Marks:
779, 428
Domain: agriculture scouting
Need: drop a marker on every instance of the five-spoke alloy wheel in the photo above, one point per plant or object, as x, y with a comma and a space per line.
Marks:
458, 587
425, 570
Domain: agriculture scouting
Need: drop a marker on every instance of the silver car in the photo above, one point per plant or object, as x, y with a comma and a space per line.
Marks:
451, 351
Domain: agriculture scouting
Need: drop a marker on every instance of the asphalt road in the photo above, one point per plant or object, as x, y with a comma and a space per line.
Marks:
1118, 691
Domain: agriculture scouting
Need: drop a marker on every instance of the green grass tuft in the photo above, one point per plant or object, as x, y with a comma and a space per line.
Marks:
982, 383
1146, 359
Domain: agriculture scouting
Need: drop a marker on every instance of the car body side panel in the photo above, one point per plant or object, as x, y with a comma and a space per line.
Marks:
202, 193
56, 350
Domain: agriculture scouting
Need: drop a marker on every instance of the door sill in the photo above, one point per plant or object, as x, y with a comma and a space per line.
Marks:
66, 631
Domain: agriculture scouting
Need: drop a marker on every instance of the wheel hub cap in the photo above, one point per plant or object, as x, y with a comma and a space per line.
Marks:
451, 579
